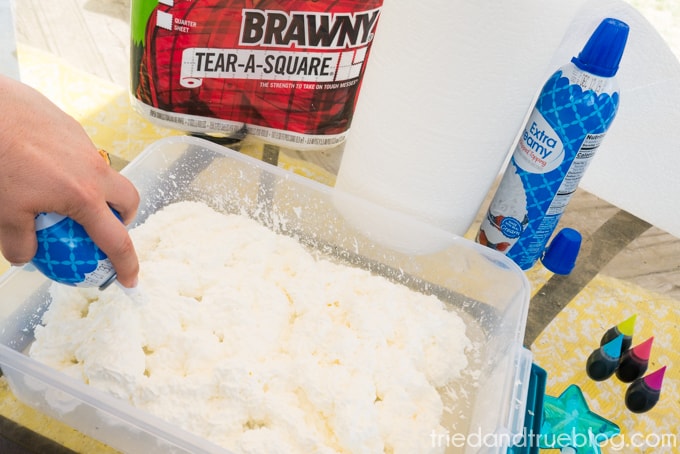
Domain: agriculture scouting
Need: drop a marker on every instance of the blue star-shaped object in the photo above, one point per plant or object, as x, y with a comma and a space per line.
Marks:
568, 422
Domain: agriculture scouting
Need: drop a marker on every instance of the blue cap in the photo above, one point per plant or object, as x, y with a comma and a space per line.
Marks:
560, 256
613, 347
603, 51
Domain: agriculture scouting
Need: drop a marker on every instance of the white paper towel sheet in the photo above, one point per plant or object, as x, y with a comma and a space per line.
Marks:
637, 168
450, 84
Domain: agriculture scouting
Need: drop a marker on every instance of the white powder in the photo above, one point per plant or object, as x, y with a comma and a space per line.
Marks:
246, 339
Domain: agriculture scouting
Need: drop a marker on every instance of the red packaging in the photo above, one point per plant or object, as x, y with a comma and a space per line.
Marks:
288, 70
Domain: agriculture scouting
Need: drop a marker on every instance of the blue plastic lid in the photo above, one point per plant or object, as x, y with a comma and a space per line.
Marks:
603, 51
613, 347
560, 256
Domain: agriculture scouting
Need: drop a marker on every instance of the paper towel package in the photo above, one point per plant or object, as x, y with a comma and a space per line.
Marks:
287, 71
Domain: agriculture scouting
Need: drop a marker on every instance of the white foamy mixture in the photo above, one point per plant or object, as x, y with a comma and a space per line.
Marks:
249, 341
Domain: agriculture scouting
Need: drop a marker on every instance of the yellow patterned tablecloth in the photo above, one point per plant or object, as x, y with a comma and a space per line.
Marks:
565, 344
105, 112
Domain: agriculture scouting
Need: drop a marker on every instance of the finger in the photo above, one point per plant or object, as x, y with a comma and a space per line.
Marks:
112, 237
122, 196
18, 241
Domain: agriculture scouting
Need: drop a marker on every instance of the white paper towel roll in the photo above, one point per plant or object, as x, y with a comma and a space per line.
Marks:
449, 86
447, 89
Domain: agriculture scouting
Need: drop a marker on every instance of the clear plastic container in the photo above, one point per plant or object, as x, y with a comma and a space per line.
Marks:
486, 288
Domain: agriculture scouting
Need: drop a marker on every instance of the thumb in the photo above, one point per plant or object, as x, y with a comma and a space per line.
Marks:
18, 242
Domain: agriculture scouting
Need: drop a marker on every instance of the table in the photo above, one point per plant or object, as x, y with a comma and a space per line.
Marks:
626, 266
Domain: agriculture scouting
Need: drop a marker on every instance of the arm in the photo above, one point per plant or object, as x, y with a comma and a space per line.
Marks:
49, 164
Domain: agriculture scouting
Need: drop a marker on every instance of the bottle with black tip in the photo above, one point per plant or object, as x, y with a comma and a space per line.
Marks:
602, 362
643, 394
626, 327
633, 363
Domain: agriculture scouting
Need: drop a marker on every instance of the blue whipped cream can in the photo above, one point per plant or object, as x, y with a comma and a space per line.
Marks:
67, 254
573, 112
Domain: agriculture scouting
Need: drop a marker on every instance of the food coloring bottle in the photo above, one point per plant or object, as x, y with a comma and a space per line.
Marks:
602, 362
626, 327
643, 394
574, 111
634, 362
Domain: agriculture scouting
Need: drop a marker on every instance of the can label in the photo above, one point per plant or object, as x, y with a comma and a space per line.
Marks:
289, 70
67, 254
540, 149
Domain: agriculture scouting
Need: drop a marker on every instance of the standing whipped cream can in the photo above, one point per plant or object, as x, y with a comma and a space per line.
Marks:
572, 115
67, 254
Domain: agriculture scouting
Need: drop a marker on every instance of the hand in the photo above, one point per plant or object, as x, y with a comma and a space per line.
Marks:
49, 164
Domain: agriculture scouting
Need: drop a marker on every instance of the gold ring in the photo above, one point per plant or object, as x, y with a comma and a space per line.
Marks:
104, 155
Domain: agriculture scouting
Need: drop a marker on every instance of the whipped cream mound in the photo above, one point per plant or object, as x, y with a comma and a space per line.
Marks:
512, 201
248, 340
